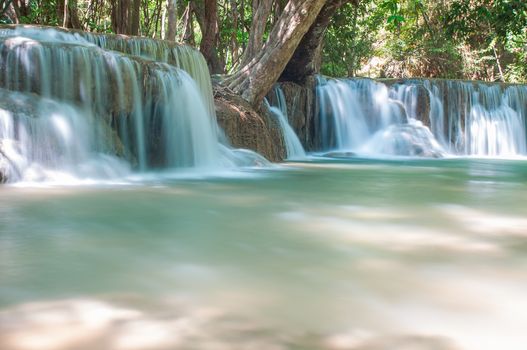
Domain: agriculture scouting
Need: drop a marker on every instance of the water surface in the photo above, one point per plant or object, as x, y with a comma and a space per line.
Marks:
351, 254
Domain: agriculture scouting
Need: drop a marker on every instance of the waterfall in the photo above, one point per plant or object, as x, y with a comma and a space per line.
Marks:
293, 146
96, 95
367, 117
42, 139
422, 117
175, 54
485, 119
187, 132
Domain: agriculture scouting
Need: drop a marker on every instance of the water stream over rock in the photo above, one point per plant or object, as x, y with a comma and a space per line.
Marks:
294, 148
387, 117
109, 91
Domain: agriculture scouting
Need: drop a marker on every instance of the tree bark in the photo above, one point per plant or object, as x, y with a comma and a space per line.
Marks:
22, 8
234, 47
209, 30
73, 11
188, 33
261, 11
306, 59
125, 16
163, 20
10, 11
120, 16
68, 15
65, 14
255, 79
172, 20
135, 17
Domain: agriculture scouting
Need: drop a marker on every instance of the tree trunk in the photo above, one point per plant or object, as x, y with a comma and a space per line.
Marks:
188, 33
234, 34
163, 21
120, 16
22, 8
261, 11
306, 59
65, 14
11, 13
209, 30
254, 80
68, 15
126, 16
135, 17
172, 20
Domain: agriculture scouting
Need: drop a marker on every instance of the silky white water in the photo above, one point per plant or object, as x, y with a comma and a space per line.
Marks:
464, 118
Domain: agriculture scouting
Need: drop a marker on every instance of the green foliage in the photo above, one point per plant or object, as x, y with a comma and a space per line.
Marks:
471, 39
496, 29
350, 39
395, 17
41, 12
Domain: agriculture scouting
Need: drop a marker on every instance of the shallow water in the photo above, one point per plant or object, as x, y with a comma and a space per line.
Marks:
350, 254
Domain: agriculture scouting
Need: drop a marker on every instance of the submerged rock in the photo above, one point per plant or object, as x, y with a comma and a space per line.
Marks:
337, 154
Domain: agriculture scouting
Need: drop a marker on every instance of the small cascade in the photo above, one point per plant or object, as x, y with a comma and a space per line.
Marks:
292, 143
181, 56
151, 114
364, 116
484, 119
464, 118
186, 133
43, 139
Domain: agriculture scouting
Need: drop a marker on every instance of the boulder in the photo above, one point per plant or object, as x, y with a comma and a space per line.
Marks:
247, 128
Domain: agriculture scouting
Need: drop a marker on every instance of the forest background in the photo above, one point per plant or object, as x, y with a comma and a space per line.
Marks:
461, 39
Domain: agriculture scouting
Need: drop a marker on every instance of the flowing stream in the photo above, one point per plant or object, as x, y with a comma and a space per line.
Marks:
355, 254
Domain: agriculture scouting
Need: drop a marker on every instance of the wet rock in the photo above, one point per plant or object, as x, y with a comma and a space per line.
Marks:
3, 172
247, 128
336, 154
8, 169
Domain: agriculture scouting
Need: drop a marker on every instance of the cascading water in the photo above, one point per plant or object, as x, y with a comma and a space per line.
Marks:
364, 116
181, 56
465, 118
150, 113
187, 132
42, 139
293, 146
485, 120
